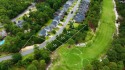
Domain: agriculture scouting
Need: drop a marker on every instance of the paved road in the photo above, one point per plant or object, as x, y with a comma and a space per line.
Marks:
52, 38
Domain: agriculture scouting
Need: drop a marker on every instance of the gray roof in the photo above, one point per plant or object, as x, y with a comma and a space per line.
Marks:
57, 18
43, 32
66, 5
54, 23
19, 23
48, 28
80, 16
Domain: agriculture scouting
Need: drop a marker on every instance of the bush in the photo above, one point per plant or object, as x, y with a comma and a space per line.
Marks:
16, 57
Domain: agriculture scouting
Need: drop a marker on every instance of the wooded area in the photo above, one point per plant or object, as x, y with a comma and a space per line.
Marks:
11, 8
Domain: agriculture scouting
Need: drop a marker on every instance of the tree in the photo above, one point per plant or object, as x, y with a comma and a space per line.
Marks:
112, 55
105, 68
53, 31
9, 11
105, 61
71, 25
36, 63
11, 44
26, 26
1, 37
117, 47
122, 56
120, 65
5, 65
37, 54
71, 41
31, 67
97, 65
88, 67
42, 65
45, 55
16, 57
113, 66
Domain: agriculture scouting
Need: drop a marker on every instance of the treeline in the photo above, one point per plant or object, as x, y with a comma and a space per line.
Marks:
38, 61
94, 13
18, 37
11, 8
115, 57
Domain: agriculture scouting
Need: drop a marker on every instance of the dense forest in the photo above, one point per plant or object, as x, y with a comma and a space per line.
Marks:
115, 57
11, 8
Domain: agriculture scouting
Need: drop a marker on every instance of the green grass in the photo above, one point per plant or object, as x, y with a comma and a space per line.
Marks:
3, 54
20, 18
76, 58
1, 29
56, 29
46, 24
47, 37
89, 36
74, 24
60, 24
17, 68
49, 22
28, 56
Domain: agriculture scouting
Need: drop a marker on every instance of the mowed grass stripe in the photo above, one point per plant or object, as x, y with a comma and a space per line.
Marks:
99, 45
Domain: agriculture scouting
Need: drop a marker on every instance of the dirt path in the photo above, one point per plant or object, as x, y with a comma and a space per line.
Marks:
116, 14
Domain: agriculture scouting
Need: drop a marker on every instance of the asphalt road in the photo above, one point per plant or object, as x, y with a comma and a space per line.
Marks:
69, 16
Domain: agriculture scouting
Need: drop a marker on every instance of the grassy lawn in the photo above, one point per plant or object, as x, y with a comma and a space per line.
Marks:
1, 29
76, 58
89, 36
74, 24
56, 29
2, 54
49, 22
47, 37
60, 24
21, 18
28, 56
17, 68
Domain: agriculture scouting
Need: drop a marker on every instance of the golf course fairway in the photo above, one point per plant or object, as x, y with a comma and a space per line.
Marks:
76, 58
